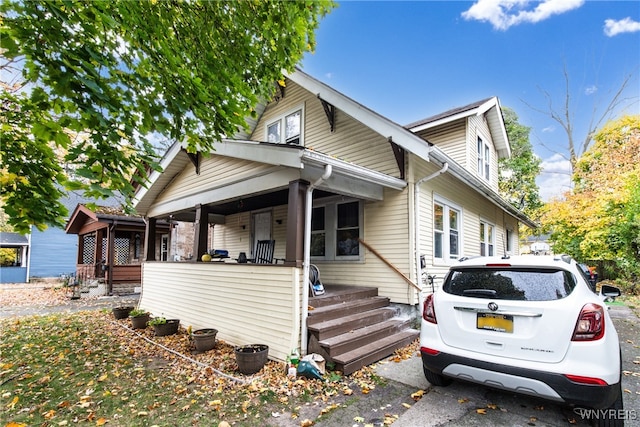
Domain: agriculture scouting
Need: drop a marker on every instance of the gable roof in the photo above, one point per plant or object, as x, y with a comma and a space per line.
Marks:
105, 215
176, 157
489, 106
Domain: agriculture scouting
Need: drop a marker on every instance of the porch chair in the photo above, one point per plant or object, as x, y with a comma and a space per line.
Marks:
264, 252
316, 286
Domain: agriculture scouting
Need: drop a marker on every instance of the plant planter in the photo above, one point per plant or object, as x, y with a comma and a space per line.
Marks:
251, 358
204, 339
139, 322
169, 328
121, 312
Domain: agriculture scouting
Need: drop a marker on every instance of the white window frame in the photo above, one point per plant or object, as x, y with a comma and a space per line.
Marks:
331, 229
487, 237
484, 157
281, 121
446, 233
509, 241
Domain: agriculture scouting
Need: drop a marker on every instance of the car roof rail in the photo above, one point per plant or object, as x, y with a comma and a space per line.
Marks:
564, 257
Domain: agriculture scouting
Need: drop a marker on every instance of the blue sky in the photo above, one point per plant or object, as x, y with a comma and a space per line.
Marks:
410, 60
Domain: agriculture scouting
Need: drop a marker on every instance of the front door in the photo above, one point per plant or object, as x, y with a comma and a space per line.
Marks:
261, 223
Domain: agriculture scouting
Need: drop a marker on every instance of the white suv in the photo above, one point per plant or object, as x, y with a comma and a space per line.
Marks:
528, 324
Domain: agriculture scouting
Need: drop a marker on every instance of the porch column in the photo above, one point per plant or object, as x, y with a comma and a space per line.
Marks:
202, 231
294, 255
150, 239
111, 241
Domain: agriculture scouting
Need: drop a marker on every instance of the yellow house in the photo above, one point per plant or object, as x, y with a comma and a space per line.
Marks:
377, 207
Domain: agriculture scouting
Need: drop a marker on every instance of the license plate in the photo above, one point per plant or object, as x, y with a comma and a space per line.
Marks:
495, 322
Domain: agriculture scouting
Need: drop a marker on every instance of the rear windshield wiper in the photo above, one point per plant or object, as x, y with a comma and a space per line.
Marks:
480, 293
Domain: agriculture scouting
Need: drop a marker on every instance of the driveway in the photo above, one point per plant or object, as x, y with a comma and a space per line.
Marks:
464, 404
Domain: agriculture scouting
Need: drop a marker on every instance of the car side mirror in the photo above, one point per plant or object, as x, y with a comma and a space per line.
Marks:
610, 291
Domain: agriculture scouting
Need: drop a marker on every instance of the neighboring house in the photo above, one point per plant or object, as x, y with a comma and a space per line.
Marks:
16, 257
110, 247
537, 245
336, 185
53, 251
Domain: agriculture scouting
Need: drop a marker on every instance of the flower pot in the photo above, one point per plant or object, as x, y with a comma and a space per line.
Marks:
168, 328
251, 358
121, 312
204, 339
140, 322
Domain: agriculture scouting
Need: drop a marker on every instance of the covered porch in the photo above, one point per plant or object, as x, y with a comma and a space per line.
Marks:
227, 197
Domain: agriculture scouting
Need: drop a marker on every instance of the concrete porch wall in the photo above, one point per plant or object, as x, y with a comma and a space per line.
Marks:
246, 303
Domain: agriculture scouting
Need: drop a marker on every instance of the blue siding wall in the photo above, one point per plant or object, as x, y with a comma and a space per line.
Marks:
53, 252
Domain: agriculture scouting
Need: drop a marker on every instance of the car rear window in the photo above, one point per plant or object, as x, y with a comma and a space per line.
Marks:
525, 284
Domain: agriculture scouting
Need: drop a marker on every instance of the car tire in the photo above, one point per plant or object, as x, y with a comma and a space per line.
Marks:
436, 379
615, 410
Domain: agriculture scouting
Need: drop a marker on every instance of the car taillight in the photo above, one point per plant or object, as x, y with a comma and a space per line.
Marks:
428, 311
590, 324
585, 380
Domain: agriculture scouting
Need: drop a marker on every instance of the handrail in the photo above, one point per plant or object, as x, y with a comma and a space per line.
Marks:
386, 261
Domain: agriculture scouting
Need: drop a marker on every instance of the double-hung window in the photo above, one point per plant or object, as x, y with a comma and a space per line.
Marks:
484, 159
335, 230
487, 239
446, 231
286, 129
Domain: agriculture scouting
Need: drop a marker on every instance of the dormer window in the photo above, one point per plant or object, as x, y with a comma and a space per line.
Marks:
484, 159
287, 129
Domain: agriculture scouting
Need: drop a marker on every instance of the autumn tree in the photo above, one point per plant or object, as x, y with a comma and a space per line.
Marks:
600, 217
100, 81
517, 182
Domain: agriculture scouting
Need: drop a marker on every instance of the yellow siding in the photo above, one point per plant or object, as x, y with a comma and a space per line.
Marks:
386, 229
215, 171
247, 304
474, 209
351, 140
450, 138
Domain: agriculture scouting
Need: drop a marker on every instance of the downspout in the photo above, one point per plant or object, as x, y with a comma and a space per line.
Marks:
307, 256
416, 189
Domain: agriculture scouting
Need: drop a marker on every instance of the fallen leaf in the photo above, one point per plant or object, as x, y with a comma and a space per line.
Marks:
306, 423
417, 395
406, 405
482, 411
101, 421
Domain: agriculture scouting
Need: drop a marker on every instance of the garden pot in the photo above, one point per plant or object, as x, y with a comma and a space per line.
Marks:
169, 328
251, 358
140, 322
204, 339
121, 312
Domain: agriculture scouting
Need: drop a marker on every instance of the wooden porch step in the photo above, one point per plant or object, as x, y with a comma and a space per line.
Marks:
345, 308
353, 360
323, 330
357, 338
339, 294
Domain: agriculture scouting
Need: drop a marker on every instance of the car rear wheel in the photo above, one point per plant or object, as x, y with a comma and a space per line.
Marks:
436, 379
612, 416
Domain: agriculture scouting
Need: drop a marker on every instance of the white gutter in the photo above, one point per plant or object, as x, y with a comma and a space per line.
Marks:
416, 214
328, 169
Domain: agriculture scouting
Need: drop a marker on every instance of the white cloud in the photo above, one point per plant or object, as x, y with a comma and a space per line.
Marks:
549, 129
626, 25
555, 178
503, 14
591, 90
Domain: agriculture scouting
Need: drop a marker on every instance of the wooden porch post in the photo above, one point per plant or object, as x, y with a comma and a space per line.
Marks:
202, 231
150, 239
111, 239
294, 255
